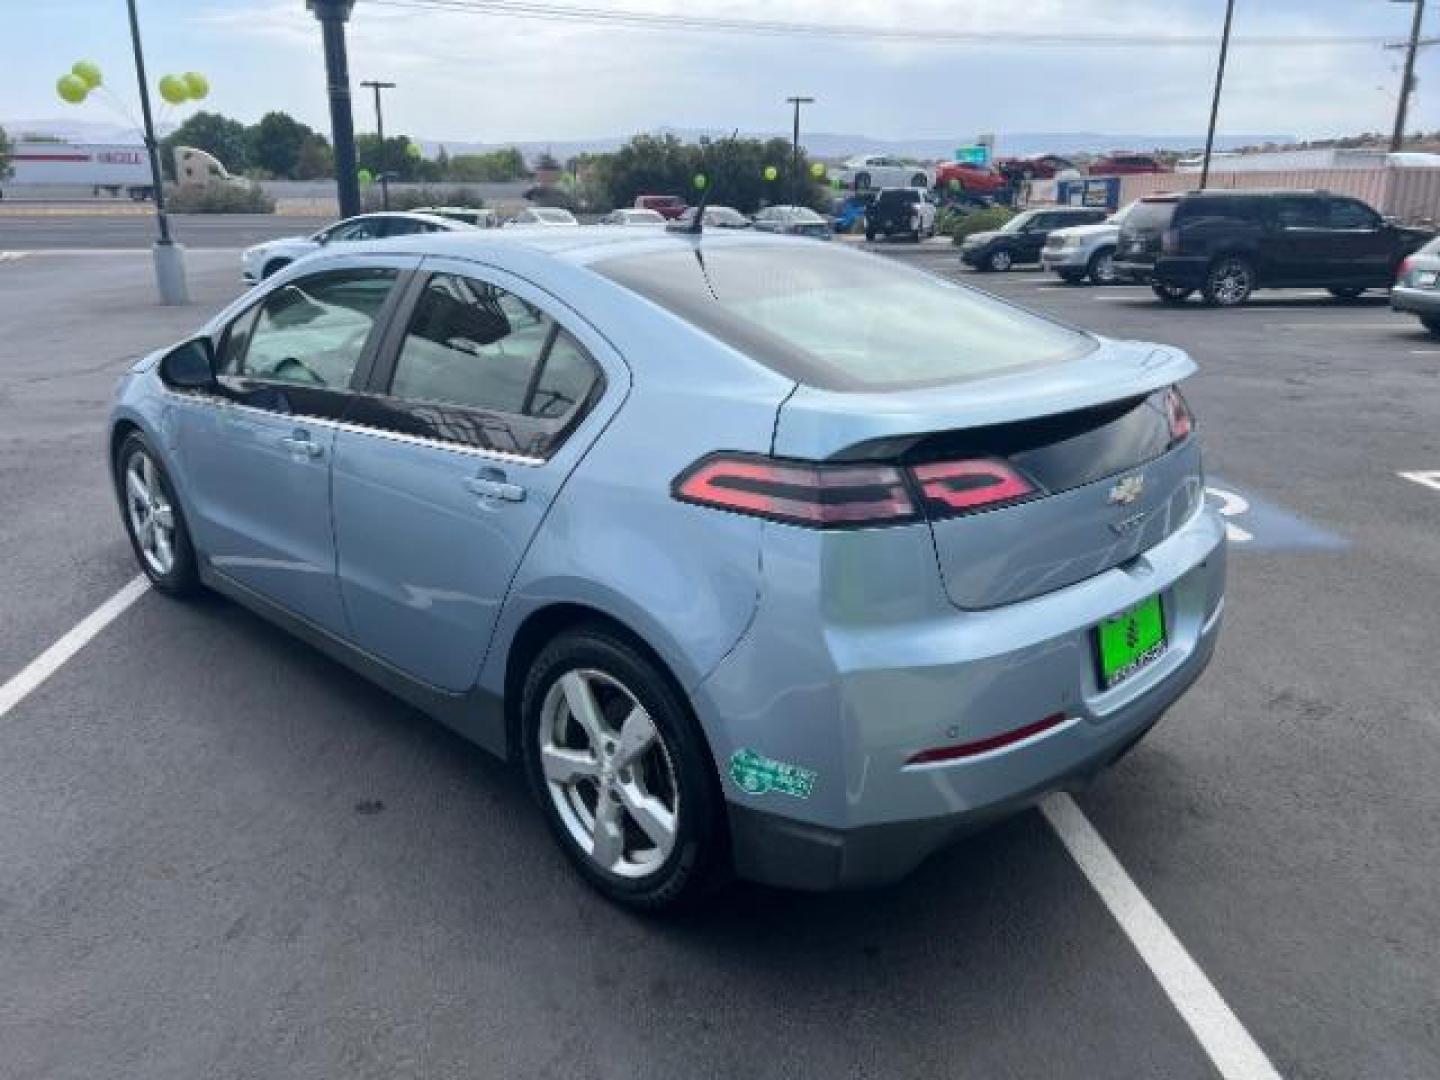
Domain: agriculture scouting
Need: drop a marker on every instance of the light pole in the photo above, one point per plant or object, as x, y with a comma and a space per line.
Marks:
795, 148
380, 131
1407, 81
332, 15
169, 256
1215, 101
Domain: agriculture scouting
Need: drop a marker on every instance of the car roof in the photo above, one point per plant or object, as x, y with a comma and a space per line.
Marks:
1230, 193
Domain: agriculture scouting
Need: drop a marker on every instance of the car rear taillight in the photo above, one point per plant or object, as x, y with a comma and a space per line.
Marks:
1404, 271
1170, 242
963, 487
1182, 421
800, 493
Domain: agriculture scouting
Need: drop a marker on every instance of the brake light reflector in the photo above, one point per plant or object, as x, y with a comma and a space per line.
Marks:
981, 746
1182, 423
1405, 267
962, 487
822, 496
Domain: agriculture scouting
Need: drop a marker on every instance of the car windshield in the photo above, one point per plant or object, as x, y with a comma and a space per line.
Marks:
1151, 215
843, 321
1118, 218
553, 216
1019, 221
802, 213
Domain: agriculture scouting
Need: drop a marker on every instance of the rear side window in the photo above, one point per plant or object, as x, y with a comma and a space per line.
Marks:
477, 346
844, 321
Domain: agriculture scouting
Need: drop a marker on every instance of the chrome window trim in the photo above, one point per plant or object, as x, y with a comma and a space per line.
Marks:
363, 429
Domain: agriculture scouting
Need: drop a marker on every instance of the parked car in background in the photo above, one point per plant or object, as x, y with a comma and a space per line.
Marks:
543, 217
260, 261
716, 217
1043, 167
1228, 243
793, 221
669, 207
1128, 165
903, 211
880, 170
1417, 286
959, 176
479, 217
848, 211
1079, 252
633, 218
789, 561
1021, 239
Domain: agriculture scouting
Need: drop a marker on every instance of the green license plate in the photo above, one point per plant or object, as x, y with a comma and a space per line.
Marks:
1130, 641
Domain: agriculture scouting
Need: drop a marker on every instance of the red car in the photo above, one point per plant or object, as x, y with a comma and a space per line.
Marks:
669, 207
1127, 165
1037, 168
971, 179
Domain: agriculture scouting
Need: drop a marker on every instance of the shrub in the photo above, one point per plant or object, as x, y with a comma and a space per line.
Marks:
411, 198
962, 224
220, 199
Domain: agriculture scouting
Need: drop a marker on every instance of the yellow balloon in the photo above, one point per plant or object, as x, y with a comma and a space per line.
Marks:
173, 89
700, 181
771, 172
88, 72
196, 85
817, 170
71, 88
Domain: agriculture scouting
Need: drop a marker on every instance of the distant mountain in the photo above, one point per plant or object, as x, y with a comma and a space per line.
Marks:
824, 144
81, 131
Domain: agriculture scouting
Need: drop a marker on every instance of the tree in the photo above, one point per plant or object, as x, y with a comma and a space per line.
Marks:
397, 158
218, 135
5, 152
734, 171
496, 166
276, 141
315, 161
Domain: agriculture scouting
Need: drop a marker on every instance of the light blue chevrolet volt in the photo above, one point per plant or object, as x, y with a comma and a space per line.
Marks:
761, 555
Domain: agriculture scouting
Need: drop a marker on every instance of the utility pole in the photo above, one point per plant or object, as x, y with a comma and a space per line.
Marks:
795, 179
169, 256
380, 131
1215, 102
1407, 81
333, 15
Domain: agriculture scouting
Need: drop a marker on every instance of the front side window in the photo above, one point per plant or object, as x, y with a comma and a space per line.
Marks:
309, 332
476, 346
367, 228
1350, 214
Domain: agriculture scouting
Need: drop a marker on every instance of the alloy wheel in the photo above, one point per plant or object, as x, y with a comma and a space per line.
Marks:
1103, 268
609, 773
151, 517
1001, 261
1230, 284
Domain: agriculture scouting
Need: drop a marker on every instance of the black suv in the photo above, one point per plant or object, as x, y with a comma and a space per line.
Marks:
1227, 244
1021, 239
899, 211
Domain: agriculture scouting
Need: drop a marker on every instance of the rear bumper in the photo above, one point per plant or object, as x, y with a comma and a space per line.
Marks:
1179, 271
1424, 302
854, 703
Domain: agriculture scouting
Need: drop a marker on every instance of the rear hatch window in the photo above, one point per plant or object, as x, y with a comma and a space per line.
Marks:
843, 321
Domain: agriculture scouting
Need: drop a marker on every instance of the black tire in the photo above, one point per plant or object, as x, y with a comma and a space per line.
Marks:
699, 857
1346, 292
1101, 268
1430, 323
1171, 294
869, 234
1229, 281
862, 181
274, 266
999, 261
182, 577
1071, 277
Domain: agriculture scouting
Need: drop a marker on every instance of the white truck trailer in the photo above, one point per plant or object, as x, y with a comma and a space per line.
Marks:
109, 168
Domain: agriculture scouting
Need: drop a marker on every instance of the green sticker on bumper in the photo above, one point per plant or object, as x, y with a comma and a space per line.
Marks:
756, 774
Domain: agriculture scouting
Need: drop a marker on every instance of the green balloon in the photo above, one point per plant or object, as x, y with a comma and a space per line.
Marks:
196, 85
88, 72
817, 170
413, 150
700, 181
366, 177
771, 172
71, 88
174, 90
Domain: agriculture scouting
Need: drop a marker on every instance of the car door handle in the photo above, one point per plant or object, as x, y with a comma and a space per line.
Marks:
300, 445
490, 487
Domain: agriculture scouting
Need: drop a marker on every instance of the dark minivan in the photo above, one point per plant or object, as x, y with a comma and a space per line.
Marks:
1227, 244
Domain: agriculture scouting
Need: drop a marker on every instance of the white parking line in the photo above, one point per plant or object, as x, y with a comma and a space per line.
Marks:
1235, 1054
81, 634
11, 256
1430, 479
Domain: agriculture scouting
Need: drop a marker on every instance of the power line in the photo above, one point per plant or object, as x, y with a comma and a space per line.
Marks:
575, 13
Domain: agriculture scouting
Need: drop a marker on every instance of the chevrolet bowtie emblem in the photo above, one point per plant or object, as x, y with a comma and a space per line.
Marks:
1126, 491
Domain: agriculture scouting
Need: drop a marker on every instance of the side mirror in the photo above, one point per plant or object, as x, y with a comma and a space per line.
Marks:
190, 366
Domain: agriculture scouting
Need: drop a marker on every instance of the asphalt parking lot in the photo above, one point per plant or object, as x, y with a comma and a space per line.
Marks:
225, 856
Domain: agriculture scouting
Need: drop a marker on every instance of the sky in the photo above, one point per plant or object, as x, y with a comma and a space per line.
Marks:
487, 77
